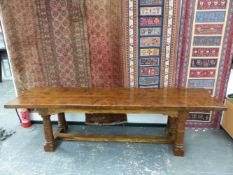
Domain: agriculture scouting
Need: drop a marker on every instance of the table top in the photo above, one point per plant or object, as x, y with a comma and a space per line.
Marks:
118, 98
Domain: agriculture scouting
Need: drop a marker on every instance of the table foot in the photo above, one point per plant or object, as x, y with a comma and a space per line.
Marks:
178, 150
50, 143
49, 147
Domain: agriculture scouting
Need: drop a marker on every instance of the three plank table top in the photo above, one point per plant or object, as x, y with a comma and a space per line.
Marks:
174, 102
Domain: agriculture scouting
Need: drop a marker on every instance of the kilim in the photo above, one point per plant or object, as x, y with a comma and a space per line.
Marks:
204, 62
152, 28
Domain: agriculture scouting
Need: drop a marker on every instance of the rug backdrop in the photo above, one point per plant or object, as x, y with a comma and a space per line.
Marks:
130, 43
151, 28
204, 53
65, 43
47, 43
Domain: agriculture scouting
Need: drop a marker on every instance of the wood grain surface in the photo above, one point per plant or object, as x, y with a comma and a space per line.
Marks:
118, 98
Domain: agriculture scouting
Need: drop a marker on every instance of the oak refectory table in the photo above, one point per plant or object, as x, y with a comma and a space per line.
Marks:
173, 102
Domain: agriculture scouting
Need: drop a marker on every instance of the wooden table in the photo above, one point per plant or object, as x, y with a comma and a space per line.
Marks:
176, 103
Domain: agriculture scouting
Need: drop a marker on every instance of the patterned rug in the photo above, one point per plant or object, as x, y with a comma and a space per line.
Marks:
67, 43
151, 30
204, 58
200, 58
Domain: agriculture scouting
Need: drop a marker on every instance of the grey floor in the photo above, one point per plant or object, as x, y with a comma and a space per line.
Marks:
208, 152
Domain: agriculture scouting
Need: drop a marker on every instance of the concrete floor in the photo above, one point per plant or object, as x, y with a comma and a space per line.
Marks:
208, 152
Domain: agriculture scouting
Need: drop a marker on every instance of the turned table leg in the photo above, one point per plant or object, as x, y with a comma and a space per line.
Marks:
62, 122
48, 134
178, 147
171, 127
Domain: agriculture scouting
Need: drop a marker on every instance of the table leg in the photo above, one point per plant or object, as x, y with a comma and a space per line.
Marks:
62, 122
178, 147
171, 127
48, 134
